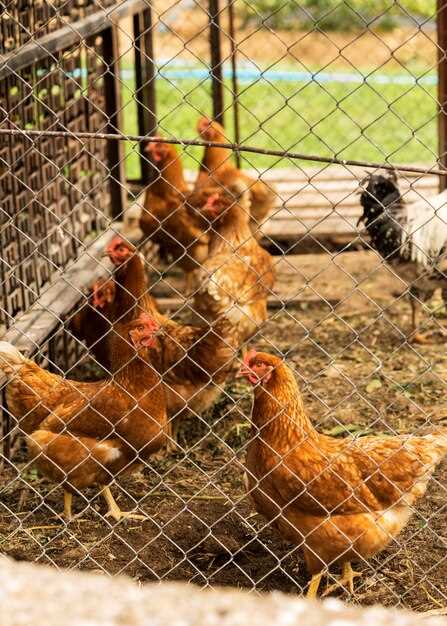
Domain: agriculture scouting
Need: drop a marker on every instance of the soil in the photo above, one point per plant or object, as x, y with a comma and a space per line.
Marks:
357, 374
180, 34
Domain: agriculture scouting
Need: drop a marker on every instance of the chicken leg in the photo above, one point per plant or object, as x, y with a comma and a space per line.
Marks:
114, 510
314, 585
416, 337
347, 578
68, 500
189, 283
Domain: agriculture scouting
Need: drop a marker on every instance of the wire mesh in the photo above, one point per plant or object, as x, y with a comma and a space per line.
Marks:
142, 272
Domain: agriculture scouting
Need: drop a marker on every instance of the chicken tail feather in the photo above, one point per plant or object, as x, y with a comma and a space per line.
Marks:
11, 359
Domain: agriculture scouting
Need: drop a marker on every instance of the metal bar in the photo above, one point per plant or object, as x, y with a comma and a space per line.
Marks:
115, 153
38, 49
234, 83
139, 95
442, 87
232, 146
216, 62
150, 71
5, 429
145, 83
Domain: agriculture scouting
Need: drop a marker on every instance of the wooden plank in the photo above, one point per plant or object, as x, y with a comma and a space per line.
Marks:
331, 172
290, 229
314, 214
428, 184
334, 211
302, 203
38, 49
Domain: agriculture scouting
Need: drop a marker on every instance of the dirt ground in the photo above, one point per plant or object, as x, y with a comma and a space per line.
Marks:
358, 375
180, 34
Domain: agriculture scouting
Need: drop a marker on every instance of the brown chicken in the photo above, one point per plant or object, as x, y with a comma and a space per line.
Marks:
95, 431
217, 169
194, 361
166, 218
341, 499
91, 323
239, 275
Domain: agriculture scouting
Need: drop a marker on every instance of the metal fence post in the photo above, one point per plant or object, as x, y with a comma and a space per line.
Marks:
234, 82
115, 149
145, 73
442, 87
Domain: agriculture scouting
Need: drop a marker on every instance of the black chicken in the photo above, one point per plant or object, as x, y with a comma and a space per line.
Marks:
410, 237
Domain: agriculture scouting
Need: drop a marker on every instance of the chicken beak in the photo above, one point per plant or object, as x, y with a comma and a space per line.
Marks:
244, 371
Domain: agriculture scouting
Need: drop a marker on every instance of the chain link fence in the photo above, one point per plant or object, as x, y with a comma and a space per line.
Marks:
140, 268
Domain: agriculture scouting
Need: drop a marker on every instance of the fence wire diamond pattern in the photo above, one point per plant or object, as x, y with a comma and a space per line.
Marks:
235, 335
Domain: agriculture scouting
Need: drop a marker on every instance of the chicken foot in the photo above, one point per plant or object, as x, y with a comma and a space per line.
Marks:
115, 511
416, 337
347, 579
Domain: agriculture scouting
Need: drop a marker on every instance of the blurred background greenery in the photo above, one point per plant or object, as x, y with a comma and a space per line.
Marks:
334, 14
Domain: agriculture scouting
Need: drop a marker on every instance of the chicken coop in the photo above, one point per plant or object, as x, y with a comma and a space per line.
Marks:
223, 293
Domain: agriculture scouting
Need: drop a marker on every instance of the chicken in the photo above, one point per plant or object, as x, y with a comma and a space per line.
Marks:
166, 218
341, 499
96, 431
194, 360
217, 169
91, 323
411, 238
37, 392
130, 282
239, 275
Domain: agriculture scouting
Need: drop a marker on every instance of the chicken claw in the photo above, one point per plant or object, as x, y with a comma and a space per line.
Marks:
114, 510
347, 578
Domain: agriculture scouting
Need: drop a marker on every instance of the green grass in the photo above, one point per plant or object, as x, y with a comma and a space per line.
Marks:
367, 122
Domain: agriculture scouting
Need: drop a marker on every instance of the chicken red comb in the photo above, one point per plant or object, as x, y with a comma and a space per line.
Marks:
116, 241
203, 124
211, 200
151, 145
148, 320
249, 356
